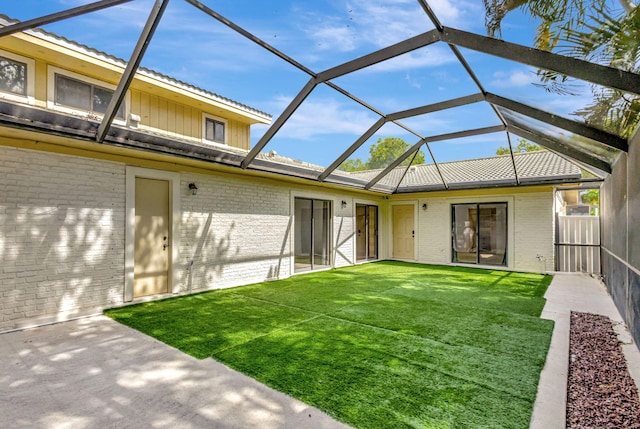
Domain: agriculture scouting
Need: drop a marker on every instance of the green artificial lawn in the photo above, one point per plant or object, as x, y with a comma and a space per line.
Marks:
379, 345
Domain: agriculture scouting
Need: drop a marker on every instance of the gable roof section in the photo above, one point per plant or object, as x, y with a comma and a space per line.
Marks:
539, 167
179, 85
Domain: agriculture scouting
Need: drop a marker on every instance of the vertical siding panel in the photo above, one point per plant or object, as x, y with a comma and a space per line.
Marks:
41, 84
179, 119
162, 115
153, 111
135, 102
195, 124
171, 118
144, 108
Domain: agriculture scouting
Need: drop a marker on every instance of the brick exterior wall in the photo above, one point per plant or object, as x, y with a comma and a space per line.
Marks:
534, 221
62, 233
236, 232
532, 225
343, 232
61, 236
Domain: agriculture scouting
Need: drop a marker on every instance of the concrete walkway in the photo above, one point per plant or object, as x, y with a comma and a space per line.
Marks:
567, 293
95, 372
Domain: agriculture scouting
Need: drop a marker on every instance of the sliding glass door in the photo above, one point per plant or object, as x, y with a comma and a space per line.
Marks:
312, 249
367, 232
479, 233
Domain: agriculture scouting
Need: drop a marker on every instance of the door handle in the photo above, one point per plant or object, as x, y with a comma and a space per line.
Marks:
164, 246
413, 234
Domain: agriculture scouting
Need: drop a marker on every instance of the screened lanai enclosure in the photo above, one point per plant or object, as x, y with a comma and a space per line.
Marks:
390, 97
337, 86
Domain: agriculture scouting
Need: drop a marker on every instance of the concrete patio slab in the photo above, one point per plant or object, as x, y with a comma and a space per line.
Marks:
96, 373
573, 292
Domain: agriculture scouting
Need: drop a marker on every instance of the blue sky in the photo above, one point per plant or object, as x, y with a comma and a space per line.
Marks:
193, 47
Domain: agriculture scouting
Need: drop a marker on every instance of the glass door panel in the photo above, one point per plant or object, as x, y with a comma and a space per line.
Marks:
366, 232
321, 240
302, 234
361, 232
464, 233
492, 234
479, 233
372, 232
312, 234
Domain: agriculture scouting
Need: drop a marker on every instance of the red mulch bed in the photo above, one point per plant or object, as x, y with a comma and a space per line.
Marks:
600, 393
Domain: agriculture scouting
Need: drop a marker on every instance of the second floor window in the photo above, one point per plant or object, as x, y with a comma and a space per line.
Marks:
13, 76
82, 95
214, 130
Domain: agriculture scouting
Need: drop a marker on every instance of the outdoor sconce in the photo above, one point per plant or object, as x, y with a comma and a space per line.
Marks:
193, 188
344, 204
424, 207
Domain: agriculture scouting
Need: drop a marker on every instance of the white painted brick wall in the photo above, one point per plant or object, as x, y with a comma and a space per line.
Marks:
434, 231
534, 232
61, 236
235, 231
343, 232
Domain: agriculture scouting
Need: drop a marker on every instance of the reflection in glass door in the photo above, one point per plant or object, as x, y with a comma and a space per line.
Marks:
312, 234
480, 233
366, 232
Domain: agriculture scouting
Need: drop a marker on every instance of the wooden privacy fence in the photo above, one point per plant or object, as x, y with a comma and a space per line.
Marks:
578, 244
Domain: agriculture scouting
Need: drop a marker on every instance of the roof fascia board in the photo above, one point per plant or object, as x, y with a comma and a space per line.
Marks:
443, 105
278, 123
132, 66
347, 153
603, 137
580, 69
59, 16
478, 186
384, 54
578, 155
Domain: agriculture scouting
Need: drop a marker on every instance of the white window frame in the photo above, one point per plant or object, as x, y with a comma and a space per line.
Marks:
51, 95
206, 116
29, 98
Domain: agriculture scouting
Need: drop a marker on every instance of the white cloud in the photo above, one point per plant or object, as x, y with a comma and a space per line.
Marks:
412, 81
332, 38
428, 57
323, 117
514, 78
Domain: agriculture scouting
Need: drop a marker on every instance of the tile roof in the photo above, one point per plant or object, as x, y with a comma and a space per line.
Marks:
103, 56
539, 166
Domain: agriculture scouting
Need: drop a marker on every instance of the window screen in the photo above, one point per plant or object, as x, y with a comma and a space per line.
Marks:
13, 76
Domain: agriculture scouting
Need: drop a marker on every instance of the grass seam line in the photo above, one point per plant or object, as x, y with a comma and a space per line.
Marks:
329, 315
265, 334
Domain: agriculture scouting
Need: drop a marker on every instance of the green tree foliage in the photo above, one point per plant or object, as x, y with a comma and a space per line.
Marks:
523, 146
591, 197
381, 154
592, 30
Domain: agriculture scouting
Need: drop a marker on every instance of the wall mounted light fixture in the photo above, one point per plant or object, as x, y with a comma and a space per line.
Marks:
344, 204
424, 207
193, 188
